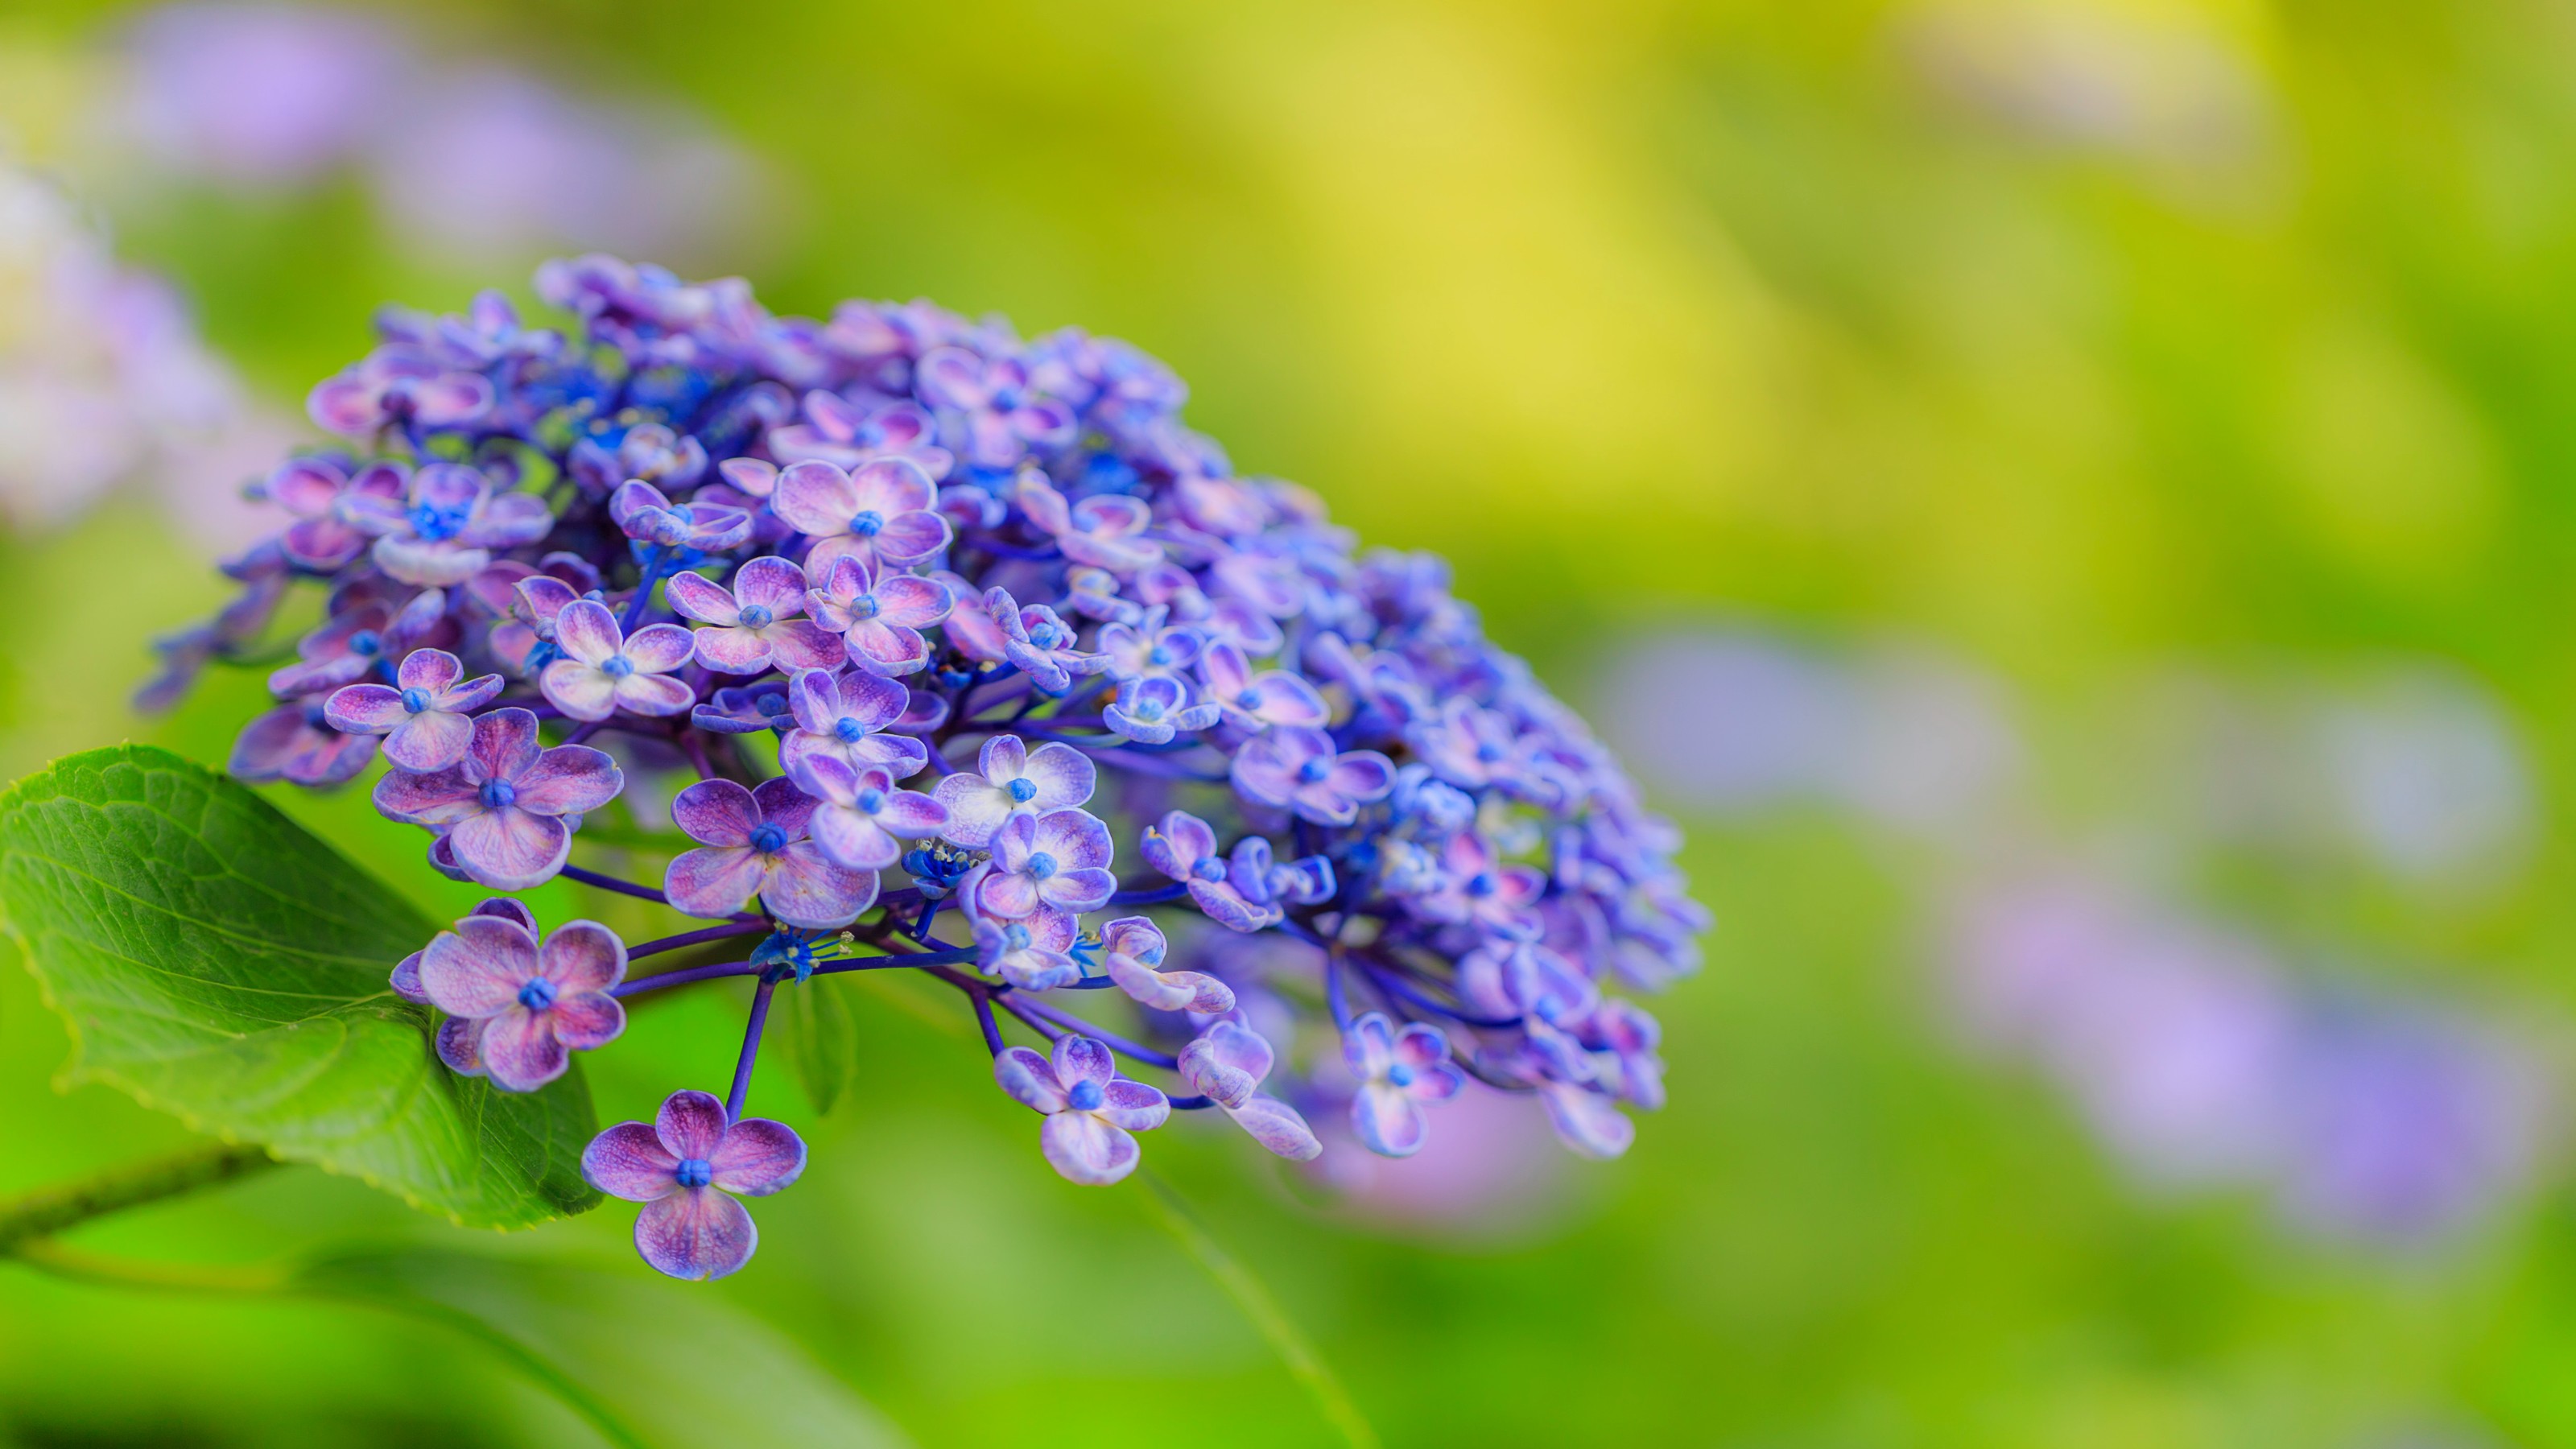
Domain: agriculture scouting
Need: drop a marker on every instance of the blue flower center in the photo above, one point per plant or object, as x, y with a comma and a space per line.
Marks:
316, 717
867, 522
770, 704
694, 1172
865, 606
497, 794
538, 994
1209, 869
757, 616
1022, 790
435, 525
850, 730
1147, 709
415, 700
1314, 770
1489, 752
1399, 1075
1249, 699
871, 800
1041, 865
1046, 636
1158, 655
768, 839
1016, 937
618, 666
1086, 1096
366, 641
1481, 883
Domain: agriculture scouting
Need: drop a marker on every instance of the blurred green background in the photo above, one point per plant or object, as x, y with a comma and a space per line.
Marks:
2078, 345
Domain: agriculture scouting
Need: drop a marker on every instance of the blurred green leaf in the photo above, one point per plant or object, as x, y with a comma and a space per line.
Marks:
822, 1043
649, 1363
218, 962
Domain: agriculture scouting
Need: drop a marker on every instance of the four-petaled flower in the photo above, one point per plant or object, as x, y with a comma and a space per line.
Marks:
879, 619
296, 742
443, 529
753, 843
425, 715
603, 670
861, 820
684, 1168
1034, 953
998, 418
529, 1006
1056, 861
1090, 1110
1040, 644
1298, 768
1256, 701
1397, 1072
1184, 847
1473, 886
881, 515
1132, 949
755, 624
395, 383
834, 432
311, 488
1010, 776
502, 806
844, 716
746, 710
1154, 711
1105, 531
1225, 1064
1150, 648
642, 513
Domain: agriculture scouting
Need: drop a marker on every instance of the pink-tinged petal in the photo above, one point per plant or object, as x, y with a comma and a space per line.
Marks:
1007, 896
1420, 1046
1362, 775
450, 397
431, 669
892, 486
431, 741
521, 1050
460, 1045
758, 1157
470, 696
508, 908
881, 648
851, 839
510, 849
478, 968
588, 1021
1180, 841
912, 815
1082, 1059
814, 498
367, 709
773, 583
578, 689
330, 759
586, 631
1085, 889
812, 699
1029, 1081
713, 882
975, 635
306, 487
510, 520
505, 743
440, 799
734, 651
975, 809
569, 780
583, 956
873, 702
628, 1161
1064, 776
1149, 987
1387, 1121
658, 648
654, 694
1587, 1121
347, 405
716, 812
1228, 908
1369, 1046
691, 1124
807, 890
1287, 700
825, 777
1133, 1105
1322, 804
697, 598
1437, 1084
784, 805
1234, 1047
1087, 1150
696, 1234
913, 537
322, 543
1277, 1126
1074, 837
1217, 1075
912, 602
804, 644
433, 565
751, 475
544, 597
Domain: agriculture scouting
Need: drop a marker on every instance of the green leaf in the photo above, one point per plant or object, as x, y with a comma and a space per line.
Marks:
218, 962
822, 1044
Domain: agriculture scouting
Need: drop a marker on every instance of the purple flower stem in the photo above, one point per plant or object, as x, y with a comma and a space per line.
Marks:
585, 732
750, 1048
652, 575
1121, 1045
940, 763
1031, 1020
691, 938
682, 978
612, 883
1334, 994
1150, 895
1394, 985
984, 1019
893, 961
695, 747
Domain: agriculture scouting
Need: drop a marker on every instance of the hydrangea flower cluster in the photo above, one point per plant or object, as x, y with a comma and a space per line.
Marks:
977, 663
